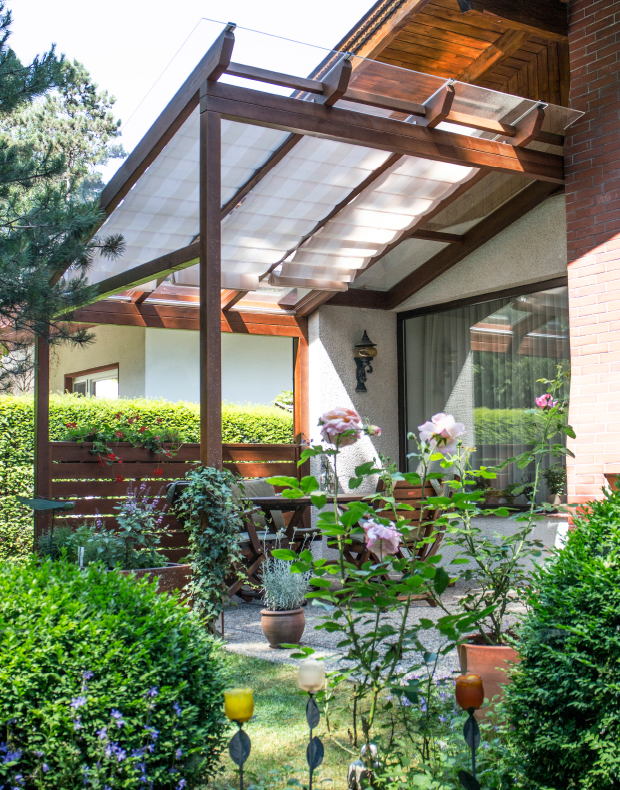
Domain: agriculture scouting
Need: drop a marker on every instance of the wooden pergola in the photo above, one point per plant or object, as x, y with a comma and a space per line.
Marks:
349, 100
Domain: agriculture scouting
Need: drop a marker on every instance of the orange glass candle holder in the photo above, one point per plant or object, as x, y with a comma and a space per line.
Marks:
469, 691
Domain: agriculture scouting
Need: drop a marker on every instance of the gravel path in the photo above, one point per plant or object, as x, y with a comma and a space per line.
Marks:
243, 634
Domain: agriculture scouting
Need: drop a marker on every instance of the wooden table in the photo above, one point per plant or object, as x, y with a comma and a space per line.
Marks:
297, 506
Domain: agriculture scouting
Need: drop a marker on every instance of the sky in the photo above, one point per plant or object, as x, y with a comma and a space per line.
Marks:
127, 44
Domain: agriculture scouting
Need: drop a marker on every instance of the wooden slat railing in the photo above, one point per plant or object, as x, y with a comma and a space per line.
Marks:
96, 489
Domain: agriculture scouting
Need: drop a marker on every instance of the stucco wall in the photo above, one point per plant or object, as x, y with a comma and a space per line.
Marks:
164, 363
530, 250
122, 344
333, 331
255, 368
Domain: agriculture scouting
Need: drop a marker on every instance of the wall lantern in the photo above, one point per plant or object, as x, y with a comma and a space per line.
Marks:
365, 352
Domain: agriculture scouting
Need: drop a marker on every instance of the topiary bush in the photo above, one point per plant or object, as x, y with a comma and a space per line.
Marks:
564, 700
240, 423
104, 683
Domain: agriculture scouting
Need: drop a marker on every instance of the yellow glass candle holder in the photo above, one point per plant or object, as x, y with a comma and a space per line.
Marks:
239, 704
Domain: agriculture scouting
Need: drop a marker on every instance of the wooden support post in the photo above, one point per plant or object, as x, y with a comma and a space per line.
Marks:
301, 428
210, 283
42, 448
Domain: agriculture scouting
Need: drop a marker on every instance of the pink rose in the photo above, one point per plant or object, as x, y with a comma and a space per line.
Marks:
338, 421
441, 432
372, 430
546, 401
381, 540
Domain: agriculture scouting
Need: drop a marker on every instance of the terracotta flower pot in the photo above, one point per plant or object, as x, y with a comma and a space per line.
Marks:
283, 627
489, 662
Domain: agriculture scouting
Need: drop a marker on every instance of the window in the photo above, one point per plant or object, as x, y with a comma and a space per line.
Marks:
481, 363
97, 383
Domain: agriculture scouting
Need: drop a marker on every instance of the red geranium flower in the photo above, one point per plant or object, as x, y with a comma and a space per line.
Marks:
71, 424
131, 420
141, 430
118, 415
159, 420
119, 479
158, 472
119, 434
157, 439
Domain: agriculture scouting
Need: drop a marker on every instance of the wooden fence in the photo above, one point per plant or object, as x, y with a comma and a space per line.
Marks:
78, 476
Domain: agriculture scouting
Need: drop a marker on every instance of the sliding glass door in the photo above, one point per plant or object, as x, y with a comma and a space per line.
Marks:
481, 363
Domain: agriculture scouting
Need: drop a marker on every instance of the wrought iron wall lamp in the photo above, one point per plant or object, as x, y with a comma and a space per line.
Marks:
365, 352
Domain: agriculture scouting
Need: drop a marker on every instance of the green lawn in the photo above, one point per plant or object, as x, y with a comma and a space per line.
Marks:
279, 731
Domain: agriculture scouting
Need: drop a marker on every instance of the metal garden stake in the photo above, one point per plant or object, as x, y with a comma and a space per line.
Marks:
239, 707
311, 678
470, 697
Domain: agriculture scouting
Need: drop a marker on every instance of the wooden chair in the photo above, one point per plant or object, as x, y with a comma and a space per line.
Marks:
418, 541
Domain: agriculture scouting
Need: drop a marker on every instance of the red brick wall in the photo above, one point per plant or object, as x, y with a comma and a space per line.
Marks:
593, 226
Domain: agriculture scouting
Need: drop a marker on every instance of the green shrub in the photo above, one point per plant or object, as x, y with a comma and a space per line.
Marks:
260, 424
103, 683
564, 700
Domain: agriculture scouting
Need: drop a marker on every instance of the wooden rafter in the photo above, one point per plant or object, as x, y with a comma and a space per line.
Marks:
386, 134
311, 302
178, 110
508, 43
230, 298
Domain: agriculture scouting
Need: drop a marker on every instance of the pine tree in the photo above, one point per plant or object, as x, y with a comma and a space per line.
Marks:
55, 128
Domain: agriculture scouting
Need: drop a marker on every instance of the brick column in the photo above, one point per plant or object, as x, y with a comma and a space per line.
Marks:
593, 232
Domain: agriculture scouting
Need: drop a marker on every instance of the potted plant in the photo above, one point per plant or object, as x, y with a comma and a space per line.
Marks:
129, 547
498, 568
283, 620
555, 477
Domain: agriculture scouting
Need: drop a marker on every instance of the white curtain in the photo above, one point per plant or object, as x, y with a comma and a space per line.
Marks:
481, 364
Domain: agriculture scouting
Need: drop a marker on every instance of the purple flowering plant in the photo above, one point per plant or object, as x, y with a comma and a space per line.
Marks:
65, 723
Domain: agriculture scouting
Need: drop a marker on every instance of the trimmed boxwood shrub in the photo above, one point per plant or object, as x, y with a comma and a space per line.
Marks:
564, 699
259, 424
104, 683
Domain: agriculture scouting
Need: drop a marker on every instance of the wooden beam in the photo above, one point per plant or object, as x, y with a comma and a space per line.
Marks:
529, 127
387, 134
500, 219
311, 302
210, 278
275, 78
507, 43
42, 449
178, 110
435, 235
261, 172
438, 107
230, 298
301, 395
336, 82
186, 317
145, 272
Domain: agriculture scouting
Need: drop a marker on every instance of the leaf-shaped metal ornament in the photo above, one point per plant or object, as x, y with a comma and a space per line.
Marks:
313, 715
467, 781
471, 733
239, 747
315, 753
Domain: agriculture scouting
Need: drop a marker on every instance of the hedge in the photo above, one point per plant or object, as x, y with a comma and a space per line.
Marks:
505, 426
249, 423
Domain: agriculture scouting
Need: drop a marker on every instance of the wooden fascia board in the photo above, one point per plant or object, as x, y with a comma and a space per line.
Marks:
390, 29
498, 221
183, 317
178, 110
516, 16
386, 134
145, 272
